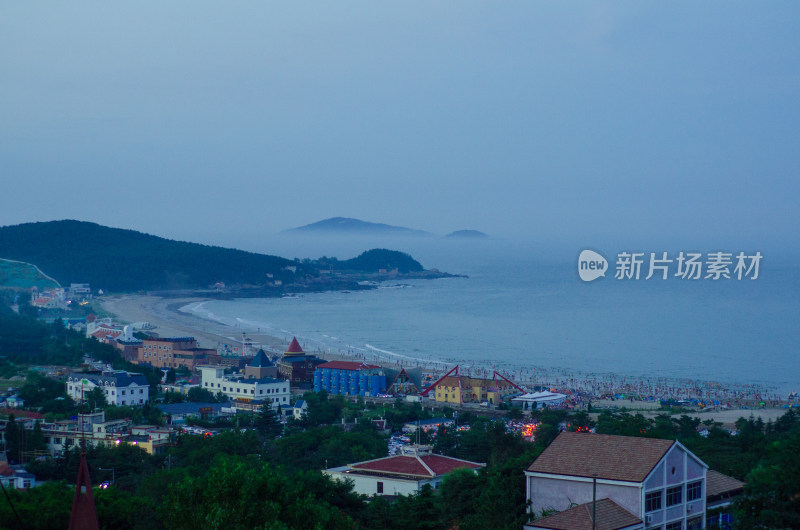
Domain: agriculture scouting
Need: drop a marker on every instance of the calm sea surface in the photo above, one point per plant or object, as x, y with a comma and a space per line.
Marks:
522, 308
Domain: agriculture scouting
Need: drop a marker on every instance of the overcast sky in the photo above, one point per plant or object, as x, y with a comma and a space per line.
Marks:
219, 121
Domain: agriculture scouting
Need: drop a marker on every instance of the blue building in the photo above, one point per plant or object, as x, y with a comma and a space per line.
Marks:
350, 378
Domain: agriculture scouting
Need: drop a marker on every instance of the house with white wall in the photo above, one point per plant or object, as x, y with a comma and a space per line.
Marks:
403, 474
120, 388
657, 483
274, 392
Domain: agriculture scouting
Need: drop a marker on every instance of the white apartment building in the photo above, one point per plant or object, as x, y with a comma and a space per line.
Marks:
274, 392
120, 387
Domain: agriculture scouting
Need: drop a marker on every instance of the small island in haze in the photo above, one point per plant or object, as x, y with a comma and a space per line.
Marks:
350, 226
467, 234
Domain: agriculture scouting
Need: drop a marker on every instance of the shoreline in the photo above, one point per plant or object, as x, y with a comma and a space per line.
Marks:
170, 319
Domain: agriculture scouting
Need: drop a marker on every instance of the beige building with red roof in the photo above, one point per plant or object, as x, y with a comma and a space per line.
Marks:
659, 482
403, 474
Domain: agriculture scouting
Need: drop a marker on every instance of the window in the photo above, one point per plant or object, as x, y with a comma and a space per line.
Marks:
380, 488
674, 495
694, 490
677, 525
694, 524
652, 501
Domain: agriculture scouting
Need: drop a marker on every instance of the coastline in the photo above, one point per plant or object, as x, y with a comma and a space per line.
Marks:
167, 316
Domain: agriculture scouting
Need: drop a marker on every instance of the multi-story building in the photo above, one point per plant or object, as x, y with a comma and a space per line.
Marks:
350, 378
463, 389
173, 353
637, 482
119, 387
296, 366
260, 366
274, 392
129, 348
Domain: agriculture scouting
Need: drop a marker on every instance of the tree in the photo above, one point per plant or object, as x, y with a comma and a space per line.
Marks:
267, 423
36, 439
772, 491
201, 395
246, 493
95, 399
13, 435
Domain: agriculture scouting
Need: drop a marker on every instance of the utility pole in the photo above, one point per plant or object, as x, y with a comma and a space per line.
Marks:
594, 501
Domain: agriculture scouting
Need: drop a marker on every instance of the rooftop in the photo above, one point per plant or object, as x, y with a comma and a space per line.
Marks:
418, 466
346, 365
610, 457
609, 514
294, 347
719, 484
260, 360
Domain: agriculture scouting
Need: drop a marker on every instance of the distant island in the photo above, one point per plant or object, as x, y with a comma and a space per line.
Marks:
348, 226
467, 234
120, 260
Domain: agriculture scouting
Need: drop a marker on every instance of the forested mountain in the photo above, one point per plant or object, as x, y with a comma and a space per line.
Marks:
125, 260
373, 261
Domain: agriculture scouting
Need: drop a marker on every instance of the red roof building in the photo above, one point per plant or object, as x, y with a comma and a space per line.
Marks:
296, 366
347, 365
294, 348
402, 474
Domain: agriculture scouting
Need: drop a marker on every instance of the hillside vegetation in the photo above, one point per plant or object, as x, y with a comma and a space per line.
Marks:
125, 260
20, 275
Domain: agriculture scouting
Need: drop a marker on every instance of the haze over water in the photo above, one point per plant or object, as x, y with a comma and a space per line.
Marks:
526, 307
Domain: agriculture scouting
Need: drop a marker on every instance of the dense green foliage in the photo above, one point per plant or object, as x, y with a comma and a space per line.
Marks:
372, 261
125, 260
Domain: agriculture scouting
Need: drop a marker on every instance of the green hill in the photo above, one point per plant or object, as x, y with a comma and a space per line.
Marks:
120, 260
20, 275
371, 262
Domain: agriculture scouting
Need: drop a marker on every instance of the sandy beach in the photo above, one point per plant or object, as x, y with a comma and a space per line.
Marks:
164, 314
169, 321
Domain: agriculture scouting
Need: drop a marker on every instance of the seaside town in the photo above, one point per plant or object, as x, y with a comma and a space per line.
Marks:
605, 451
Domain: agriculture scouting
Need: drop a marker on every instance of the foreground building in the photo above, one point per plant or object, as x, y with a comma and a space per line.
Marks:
403, 474
121, 388
642, 483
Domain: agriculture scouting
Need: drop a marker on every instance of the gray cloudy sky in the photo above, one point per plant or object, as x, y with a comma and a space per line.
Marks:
219, 121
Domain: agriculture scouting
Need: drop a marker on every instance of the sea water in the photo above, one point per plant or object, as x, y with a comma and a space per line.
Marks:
526, 309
